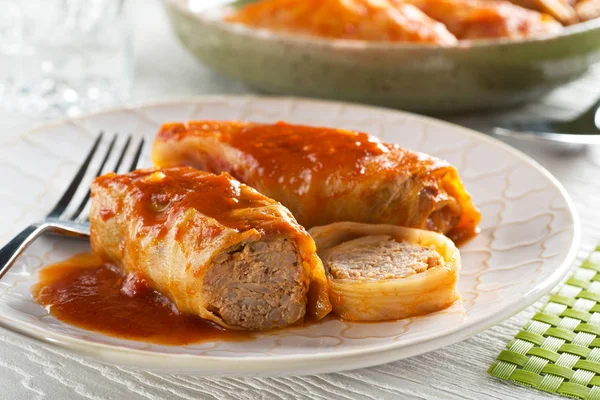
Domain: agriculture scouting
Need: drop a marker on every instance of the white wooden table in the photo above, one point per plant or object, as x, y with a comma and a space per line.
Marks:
29, 370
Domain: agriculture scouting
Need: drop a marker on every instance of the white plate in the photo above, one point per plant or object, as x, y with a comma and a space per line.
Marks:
529, 236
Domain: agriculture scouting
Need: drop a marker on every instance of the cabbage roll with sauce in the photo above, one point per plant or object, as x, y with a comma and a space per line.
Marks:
587, 9
372, 20
214, 246
483, 19
327, 175
561, 10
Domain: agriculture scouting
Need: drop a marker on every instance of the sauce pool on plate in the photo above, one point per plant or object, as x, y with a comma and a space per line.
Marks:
85, 292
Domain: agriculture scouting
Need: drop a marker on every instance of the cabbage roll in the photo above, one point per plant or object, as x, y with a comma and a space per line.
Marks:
372, 20
214, 246
483, 19
327, 175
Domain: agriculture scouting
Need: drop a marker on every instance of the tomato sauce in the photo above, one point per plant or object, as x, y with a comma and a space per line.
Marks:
85, 292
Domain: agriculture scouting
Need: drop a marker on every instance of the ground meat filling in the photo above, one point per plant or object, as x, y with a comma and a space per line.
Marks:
258, 286
379, 257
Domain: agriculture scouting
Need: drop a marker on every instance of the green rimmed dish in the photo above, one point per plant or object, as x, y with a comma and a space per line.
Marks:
472, 76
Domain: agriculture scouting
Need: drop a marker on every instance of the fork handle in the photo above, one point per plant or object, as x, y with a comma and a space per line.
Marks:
13, 249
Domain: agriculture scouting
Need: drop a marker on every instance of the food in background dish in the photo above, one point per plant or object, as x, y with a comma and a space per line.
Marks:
561, 10
326, 175
442, 23
485, 19
383, 272
587, 9
215, 247
363, 20
566, 11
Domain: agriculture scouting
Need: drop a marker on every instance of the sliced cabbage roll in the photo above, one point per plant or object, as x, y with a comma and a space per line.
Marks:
386, 272
326, 175
215, 247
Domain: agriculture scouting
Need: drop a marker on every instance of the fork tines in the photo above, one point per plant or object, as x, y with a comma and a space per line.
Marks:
119, 150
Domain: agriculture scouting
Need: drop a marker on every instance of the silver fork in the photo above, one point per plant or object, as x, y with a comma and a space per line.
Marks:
58, 221
583, 130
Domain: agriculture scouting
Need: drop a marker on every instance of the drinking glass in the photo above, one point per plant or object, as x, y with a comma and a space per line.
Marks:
61, 57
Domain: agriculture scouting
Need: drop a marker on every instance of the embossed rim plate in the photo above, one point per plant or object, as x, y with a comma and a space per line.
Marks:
530, 234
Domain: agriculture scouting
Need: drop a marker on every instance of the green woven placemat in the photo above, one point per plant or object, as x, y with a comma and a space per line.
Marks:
558, 351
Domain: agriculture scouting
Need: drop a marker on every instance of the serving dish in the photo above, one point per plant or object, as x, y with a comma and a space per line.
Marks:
472, 76
529, 237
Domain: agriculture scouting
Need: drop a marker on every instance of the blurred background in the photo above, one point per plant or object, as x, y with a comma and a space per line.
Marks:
127, 53
110, 52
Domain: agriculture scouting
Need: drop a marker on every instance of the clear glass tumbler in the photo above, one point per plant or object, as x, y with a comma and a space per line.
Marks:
61, 57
